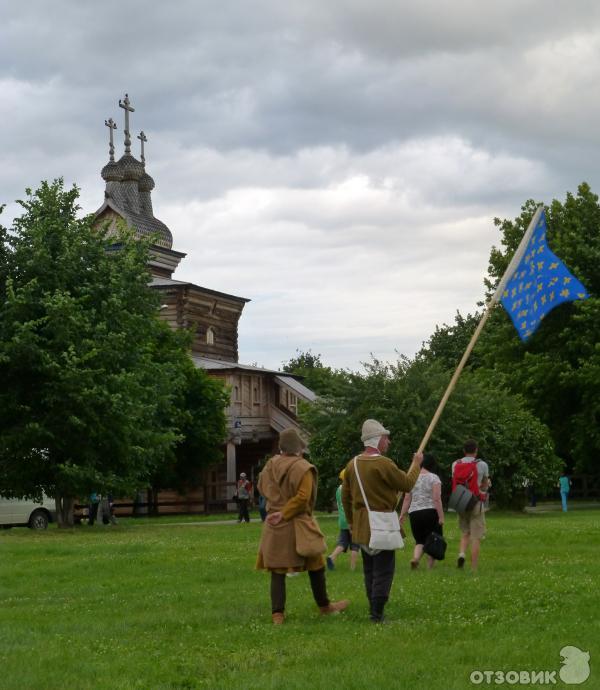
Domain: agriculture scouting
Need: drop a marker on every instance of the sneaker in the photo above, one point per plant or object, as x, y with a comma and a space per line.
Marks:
277, 618
334, 607
460, 562
330, 563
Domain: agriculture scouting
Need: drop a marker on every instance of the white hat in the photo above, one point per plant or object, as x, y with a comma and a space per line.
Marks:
243, 474
372, 429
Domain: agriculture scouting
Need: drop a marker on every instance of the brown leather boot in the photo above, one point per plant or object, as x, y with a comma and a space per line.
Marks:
277, 618
334, 607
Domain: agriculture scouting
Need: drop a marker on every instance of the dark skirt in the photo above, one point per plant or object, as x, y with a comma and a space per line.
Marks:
423, 523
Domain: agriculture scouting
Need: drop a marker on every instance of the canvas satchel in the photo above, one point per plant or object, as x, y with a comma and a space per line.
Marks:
385, 526
310, 541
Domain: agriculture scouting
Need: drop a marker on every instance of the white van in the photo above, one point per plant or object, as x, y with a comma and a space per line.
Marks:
15, 512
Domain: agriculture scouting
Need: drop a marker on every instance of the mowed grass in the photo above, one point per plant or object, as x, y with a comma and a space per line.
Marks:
157, 606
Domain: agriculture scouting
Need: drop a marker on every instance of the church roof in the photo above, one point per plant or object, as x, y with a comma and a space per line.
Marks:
281, 377
128, 186
169, 282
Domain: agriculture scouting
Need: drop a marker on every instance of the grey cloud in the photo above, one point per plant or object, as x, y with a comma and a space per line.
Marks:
296, 145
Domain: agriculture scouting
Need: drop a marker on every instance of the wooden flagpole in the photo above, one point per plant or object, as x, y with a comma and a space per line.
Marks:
488, 309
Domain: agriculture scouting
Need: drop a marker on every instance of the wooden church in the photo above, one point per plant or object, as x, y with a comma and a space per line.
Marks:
263, 401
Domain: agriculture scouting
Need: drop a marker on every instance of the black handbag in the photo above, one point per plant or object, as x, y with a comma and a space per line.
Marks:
435, 546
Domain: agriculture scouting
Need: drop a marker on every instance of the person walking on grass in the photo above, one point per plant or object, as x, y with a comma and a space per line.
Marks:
475, 474
289, 484
564, 484
423, 505
382, 479
345, 539
243, 493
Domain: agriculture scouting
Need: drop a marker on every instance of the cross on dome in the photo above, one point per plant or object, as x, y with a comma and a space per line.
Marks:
126, 105
143, 138
112, 125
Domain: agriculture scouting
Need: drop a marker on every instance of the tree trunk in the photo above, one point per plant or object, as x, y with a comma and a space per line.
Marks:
64, 510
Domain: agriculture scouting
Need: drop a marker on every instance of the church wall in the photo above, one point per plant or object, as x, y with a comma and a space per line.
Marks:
182, 307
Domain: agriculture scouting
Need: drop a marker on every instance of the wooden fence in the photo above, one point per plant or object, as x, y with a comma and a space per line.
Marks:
212, 497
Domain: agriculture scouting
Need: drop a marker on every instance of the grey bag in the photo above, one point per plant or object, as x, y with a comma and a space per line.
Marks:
462, 500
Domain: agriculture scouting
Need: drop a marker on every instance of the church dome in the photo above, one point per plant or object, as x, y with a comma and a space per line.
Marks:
130, 167
111, 172
145, 183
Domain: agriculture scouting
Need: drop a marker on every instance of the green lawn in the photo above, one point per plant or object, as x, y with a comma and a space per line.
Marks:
150, 605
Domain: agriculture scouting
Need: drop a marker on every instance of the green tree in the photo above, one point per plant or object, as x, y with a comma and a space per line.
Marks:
404, 396
201, 426
91, 376
315, 375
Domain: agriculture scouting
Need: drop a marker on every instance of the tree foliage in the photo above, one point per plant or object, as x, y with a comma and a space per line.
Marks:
92, 379
315, 375
201, 425
404, 396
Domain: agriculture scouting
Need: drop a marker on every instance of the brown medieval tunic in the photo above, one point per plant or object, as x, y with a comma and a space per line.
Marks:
289, 483
382, 479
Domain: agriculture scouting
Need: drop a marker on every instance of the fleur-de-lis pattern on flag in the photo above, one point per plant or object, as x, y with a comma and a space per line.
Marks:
540, 282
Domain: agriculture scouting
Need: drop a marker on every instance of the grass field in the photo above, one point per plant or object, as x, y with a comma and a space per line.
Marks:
153, 605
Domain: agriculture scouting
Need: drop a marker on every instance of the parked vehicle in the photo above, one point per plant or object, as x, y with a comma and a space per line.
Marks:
15, 512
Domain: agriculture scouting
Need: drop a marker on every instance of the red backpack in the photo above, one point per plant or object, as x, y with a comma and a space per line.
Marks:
465, 473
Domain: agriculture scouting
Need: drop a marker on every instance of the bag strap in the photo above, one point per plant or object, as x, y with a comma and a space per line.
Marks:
362, 491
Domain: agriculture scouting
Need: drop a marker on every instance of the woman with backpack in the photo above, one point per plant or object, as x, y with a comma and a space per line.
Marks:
424, 508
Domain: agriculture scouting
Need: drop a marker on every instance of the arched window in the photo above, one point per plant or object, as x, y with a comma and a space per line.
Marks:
210, 336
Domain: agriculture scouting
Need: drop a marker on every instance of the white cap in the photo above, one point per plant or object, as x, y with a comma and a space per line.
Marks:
243, 474
372, 429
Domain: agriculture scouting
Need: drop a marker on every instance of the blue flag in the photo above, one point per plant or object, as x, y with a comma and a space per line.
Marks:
539, 283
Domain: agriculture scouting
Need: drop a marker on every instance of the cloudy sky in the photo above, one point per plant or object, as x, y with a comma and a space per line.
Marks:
339, 163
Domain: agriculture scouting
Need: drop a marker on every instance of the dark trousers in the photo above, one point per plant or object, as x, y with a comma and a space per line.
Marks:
243, 510
379, 575
317, 584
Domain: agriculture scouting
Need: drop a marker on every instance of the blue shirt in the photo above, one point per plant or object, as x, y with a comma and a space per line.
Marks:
565, 484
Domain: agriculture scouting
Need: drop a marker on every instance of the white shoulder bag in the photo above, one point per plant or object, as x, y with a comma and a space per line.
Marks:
385, 527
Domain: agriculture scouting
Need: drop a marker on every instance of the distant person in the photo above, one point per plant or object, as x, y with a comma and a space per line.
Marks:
564, 484
382, 479
93, 507
243, 493
345, 538
289, 483
424, 508
262, 507
104, 510
531, 490
475, 474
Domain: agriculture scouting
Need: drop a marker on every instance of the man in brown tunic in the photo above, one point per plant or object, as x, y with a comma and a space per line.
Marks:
382, 480
289, 484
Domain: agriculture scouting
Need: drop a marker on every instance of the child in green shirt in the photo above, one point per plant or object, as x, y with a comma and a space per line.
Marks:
345, 538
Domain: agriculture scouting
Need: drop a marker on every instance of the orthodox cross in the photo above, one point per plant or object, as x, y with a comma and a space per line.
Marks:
142, 137
111, 149
126, 105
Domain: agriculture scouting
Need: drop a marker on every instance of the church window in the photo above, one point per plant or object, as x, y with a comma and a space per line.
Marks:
292, 403
210, 336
